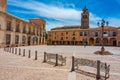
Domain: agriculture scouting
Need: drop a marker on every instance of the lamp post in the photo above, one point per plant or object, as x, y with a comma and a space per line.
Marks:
102, 43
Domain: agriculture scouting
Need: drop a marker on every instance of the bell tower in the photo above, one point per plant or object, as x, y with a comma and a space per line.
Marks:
3, 4
85, 18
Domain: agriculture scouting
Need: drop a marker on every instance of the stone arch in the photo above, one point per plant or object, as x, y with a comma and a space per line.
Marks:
119, 43
113, 42
98, 41
35, 40
105, 41
91, 41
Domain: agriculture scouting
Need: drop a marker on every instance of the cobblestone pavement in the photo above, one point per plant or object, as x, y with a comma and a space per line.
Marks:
17, 67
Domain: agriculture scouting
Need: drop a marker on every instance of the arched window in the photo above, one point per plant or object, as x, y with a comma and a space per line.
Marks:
8, 38
17, 28
8, 26
35, 40
24, 29
16, 39
23, 39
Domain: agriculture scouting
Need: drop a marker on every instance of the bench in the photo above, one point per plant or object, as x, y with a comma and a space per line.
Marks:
62, 59
100, 66
56, 57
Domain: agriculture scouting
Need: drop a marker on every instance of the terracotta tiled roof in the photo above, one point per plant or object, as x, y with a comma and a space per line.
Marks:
66, 27
78, 28
37, 21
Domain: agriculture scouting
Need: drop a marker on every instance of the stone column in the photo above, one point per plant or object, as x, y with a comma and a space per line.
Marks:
38, 41
41, 40
20, 35
13, 32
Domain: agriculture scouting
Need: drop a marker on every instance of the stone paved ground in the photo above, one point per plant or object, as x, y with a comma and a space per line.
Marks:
15, 67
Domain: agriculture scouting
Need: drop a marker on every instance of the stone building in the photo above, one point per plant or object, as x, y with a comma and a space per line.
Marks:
15, 31
77, 35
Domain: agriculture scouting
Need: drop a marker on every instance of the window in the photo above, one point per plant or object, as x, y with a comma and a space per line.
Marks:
16, 39
8, 26
8, 38
35, 40
73, 38
81, 33
105, 33
17, 28
73, 33
114, 33
24, 29
92, 34
23, 39
66, 32
61, 38
85, 16
61, 34
66, 37
96, 34
85, 33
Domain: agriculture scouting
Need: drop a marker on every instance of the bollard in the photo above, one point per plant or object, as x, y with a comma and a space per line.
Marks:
10, 49
35, 55
19, 51
7, 49
98, 70
73, 66
4, 49
45, 55
15, 50
29, 54
56, 63
23, 52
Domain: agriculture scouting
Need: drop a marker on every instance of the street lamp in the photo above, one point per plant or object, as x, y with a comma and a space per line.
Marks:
102, 43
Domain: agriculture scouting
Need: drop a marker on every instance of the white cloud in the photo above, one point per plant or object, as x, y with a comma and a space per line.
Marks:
114, 22
64, 16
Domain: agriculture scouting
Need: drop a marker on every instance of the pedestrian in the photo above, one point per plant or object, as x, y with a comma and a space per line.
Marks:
84, 44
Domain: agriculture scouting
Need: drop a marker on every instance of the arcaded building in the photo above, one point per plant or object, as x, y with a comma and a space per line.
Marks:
15, 31
77, 35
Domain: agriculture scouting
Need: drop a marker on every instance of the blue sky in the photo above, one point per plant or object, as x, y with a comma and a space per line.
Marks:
59, 13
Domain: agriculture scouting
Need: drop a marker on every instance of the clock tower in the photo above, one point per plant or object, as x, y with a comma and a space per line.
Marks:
85, 18
3, 4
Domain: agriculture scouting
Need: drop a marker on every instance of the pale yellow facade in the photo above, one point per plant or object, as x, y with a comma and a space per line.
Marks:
78, 35
18, 32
